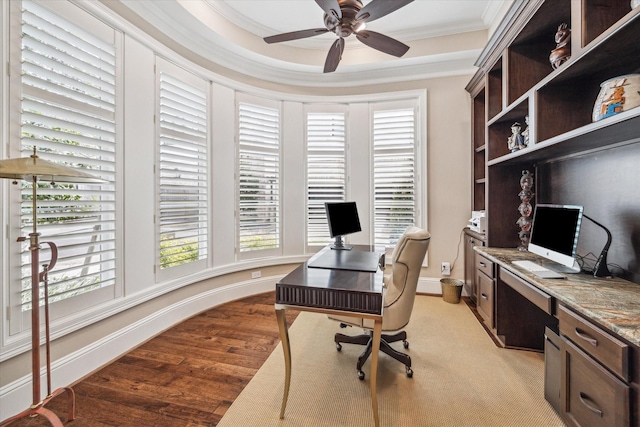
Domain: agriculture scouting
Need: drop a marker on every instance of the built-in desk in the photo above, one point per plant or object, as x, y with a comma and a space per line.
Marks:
595, 320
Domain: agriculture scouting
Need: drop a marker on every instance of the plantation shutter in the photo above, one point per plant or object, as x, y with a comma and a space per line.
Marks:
325, 171
68, 104
394, 174
182, 173
259, 177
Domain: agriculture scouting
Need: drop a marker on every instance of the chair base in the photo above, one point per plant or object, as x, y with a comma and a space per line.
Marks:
385, 347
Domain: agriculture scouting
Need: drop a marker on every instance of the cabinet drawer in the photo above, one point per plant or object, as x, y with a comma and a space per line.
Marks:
485, 297
484, 265
608, 350
590, 395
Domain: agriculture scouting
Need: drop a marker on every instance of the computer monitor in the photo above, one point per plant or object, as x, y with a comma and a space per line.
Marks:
554, 235
343, 219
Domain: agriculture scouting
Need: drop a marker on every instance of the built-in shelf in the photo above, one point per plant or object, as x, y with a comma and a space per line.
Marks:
516, 80
528, 54
621, 129
499, 129
602, 18
479, 159
494, 90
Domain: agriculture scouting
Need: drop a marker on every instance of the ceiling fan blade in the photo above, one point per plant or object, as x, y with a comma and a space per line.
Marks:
331, 8
379, 8
295, 35
382, 43
334, 56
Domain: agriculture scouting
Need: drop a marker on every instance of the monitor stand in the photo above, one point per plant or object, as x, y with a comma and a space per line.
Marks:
559, 268
339, 244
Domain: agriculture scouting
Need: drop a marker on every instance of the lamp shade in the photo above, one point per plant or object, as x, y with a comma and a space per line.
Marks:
28, 167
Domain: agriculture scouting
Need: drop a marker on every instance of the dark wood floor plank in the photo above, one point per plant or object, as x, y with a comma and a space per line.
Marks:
188, 376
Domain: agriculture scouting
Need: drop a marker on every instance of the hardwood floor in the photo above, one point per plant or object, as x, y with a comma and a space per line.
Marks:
187, 376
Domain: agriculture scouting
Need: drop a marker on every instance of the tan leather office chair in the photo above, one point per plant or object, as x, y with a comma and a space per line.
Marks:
400, 292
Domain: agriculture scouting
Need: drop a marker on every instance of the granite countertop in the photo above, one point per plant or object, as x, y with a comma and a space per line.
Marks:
614, 303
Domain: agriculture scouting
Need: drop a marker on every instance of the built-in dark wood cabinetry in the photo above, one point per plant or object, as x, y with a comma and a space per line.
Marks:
574, 160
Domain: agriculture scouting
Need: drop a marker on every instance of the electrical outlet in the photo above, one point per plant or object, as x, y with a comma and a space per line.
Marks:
256, 274
445, 269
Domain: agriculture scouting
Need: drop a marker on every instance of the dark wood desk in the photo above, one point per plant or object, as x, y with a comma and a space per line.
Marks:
329, 291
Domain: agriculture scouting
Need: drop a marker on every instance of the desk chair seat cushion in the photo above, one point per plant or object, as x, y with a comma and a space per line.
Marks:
400, 284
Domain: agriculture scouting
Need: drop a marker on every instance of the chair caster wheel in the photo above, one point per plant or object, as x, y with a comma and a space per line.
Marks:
338, 346
409, 372
405, 344
361, 375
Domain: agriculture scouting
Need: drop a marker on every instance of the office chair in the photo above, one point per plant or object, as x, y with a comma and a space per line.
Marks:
400, 291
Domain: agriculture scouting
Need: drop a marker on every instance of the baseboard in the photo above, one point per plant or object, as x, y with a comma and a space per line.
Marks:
429, 285
16, 396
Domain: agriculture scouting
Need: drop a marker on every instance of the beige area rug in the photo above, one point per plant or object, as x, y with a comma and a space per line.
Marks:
460, 378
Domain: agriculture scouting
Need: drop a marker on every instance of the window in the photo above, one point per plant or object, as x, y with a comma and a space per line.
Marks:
325, 170
259, 177
394, 173
68, 112
182, 172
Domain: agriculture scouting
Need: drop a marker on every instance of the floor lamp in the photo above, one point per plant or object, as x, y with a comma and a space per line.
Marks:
34, 169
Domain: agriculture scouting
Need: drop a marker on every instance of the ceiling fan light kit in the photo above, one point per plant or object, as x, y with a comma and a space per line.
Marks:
346, 17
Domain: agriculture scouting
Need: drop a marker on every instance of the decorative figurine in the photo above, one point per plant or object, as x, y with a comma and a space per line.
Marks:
525, 132
516, 140
525, 209
562, 52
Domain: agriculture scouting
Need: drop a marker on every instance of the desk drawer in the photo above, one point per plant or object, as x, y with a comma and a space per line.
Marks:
484, 265
530, 292
590, 395
608, 350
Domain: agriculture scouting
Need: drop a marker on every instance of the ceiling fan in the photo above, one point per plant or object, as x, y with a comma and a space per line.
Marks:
346, 17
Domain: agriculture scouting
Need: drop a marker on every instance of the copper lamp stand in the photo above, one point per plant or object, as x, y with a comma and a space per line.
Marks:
30, 169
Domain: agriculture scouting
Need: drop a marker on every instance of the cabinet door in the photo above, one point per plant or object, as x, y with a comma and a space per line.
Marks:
590, 395
486, 290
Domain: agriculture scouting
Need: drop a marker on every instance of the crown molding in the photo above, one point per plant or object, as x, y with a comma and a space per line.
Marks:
200, 39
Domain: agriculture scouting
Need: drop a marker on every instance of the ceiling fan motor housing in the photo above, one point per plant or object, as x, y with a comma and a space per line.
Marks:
344, 26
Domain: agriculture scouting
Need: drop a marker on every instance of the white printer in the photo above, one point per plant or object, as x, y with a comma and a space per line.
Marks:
478, 222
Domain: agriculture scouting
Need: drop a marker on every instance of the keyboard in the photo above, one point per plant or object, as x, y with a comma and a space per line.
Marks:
539, 270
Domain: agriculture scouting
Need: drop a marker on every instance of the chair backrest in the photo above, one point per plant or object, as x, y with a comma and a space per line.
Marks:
401, 284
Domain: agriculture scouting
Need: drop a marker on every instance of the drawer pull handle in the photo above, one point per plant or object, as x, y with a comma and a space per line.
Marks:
586, 337
484, 296
482, 264
584, 398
